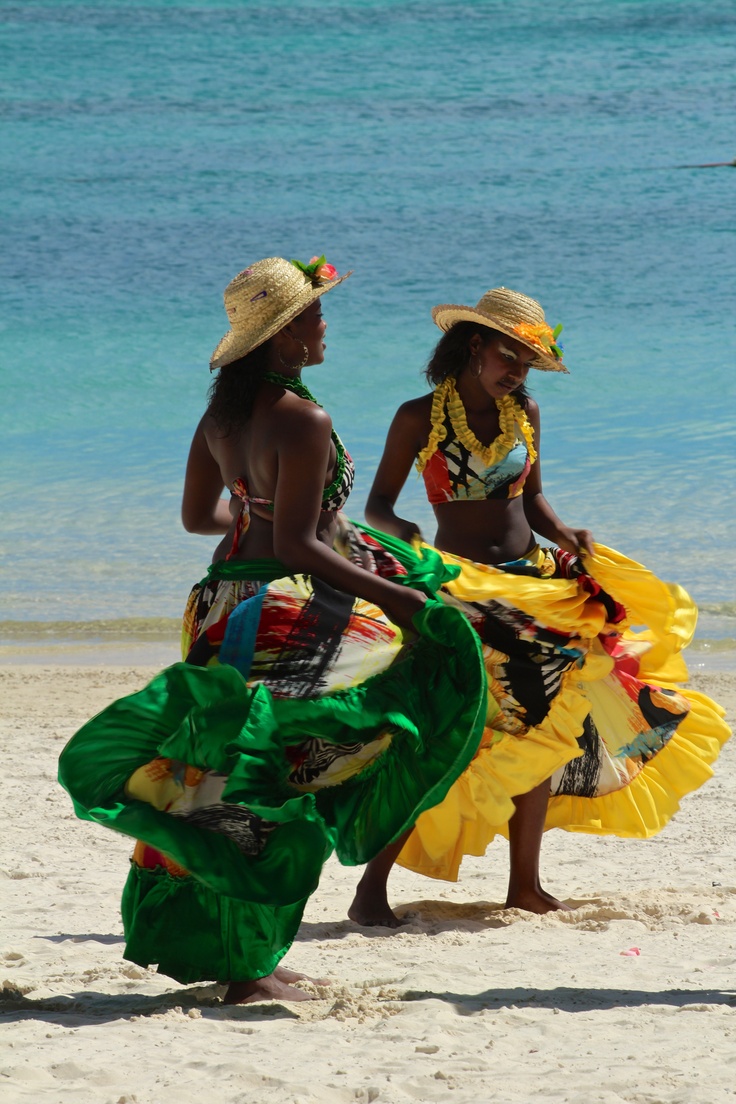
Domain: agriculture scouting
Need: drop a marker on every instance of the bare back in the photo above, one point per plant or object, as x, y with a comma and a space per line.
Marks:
251, 454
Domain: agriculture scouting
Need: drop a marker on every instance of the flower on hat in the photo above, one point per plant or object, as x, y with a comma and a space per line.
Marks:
317, 269
541, 335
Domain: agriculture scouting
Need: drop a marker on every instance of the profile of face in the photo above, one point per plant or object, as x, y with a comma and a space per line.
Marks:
308, 328
501, 365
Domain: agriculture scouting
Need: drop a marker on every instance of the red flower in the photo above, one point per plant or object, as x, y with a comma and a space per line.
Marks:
317, 269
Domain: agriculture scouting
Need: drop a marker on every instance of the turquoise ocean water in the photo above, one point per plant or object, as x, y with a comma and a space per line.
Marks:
153, 148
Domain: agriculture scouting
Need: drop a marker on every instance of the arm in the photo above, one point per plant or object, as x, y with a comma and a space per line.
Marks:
202, 509
539, 513
302, 452
403, 443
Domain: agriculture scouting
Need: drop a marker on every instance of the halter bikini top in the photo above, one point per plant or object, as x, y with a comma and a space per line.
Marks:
334, 497
456, 467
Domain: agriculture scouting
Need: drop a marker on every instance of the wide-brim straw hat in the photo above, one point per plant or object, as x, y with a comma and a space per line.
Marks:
264, 298
514, 314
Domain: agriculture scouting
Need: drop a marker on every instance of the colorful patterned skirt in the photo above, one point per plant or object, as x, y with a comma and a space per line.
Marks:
584, 672
303, 722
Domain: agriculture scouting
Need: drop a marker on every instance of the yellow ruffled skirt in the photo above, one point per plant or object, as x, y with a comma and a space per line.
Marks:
584, 672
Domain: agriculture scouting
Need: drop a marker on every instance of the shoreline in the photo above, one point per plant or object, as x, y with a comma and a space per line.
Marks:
110, 653
701, 656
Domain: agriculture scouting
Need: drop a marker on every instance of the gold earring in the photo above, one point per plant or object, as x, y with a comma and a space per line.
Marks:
302, 362
477, 369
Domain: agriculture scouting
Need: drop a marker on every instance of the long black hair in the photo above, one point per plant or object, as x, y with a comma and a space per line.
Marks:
452, 354
234, 389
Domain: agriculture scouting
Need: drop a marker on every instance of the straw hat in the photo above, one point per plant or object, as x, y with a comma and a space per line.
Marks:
264, 298
514, 314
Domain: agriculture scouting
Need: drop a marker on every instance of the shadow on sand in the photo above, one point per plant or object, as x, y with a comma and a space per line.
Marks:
90, 1007
568, 999
429, 917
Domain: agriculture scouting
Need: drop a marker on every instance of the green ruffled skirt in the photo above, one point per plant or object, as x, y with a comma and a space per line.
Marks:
310, 725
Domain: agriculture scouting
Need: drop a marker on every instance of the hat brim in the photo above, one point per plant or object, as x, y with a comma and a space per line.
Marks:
447, 314
233, 345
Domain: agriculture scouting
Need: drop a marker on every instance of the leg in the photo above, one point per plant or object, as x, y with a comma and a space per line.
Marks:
370, 905
525, 841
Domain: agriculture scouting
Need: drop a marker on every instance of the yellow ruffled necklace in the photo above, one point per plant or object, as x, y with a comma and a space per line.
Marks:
510, 415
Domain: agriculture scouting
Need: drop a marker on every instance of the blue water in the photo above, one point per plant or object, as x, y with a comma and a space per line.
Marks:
152, 149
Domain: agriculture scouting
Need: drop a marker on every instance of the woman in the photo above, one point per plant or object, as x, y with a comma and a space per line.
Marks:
587, 710
295, 725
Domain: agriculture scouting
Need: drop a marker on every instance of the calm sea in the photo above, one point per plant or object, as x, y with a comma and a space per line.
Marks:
152, 148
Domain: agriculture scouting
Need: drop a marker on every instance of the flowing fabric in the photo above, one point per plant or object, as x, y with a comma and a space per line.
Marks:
303, 722
584, 672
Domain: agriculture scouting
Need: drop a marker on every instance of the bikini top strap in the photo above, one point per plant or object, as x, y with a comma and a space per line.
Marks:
240, 490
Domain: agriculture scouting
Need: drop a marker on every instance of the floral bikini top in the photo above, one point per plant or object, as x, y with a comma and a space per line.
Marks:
334, 497
456, 467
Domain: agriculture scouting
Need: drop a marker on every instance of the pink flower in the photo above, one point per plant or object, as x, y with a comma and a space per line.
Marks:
317, 269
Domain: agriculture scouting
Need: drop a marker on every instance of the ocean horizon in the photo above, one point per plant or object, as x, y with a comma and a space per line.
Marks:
155, 148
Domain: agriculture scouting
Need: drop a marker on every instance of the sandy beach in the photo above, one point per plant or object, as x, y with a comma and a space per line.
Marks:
631, 997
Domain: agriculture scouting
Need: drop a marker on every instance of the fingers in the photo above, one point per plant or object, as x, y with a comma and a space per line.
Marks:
585, 542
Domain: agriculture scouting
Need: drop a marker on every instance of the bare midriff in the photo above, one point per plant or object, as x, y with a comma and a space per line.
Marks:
490, 532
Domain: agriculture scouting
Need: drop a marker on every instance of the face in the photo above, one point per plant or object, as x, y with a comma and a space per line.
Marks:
504, 364
309, 328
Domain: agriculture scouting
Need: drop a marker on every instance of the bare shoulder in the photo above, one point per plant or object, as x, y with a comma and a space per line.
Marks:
532, 412
421, 405
415, 412
207, 433
294, 419
408, 431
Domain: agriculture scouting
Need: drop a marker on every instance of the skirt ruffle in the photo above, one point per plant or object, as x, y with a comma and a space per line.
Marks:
584, 668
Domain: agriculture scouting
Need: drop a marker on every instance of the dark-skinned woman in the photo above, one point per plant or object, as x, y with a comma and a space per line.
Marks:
301, 720
592, 730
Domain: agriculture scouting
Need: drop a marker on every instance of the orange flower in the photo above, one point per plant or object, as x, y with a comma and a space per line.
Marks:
541, 335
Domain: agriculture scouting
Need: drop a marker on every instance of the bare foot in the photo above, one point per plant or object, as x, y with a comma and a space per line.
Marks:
372, 913
535, 900
370, 905
262, 989
281, 973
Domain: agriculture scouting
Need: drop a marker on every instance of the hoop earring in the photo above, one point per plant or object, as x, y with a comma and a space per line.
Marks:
476, 371
302, 362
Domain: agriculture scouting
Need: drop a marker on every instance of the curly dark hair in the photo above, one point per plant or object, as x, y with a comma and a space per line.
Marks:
234, 389
452, 354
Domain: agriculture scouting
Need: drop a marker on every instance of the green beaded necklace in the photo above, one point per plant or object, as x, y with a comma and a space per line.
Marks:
295, 385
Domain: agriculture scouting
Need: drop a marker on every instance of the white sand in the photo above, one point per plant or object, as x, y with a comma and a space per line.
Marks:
467, 1003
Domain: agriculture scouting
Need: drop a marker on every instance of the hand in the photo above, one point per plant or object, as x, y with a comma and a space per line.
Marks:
403, 604
577, 541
